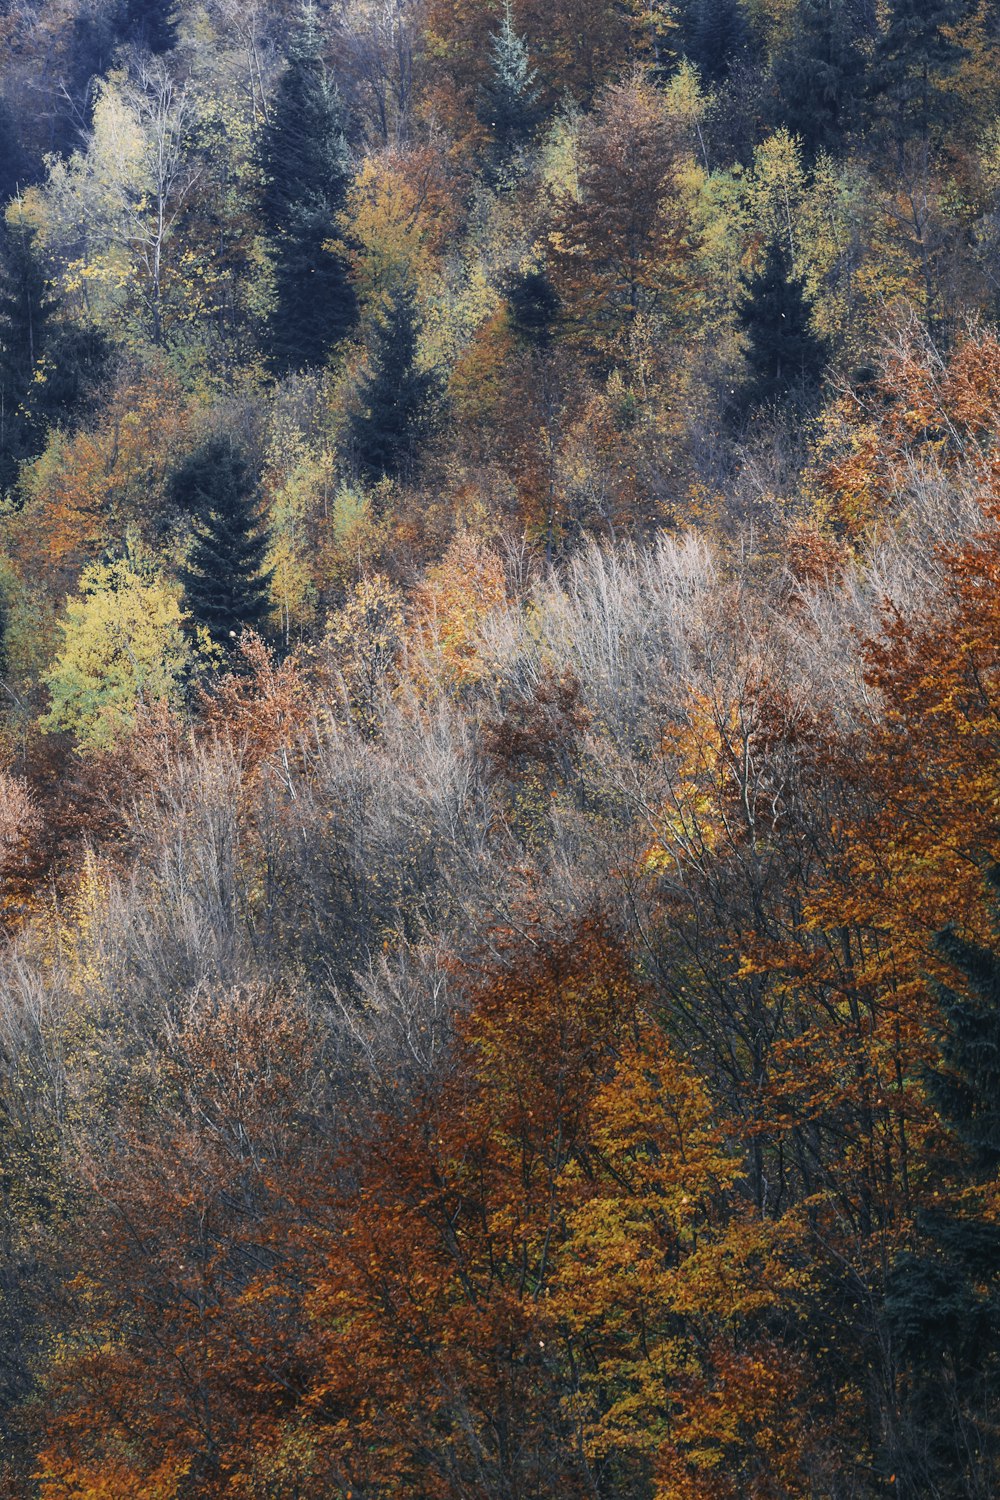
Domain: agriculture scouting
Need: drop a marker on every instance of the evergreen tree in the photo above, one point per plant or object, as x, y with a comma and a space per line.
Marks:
397, 396
783, 354
508, 105
717, 36
817, 77
225, 581
13, 167
26, 311
914, 58
150, 23
307, 173
943, 1296
533, 306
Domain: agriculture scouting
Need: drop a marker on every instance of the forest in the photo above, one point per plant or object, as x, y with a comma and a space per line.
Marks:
500, 749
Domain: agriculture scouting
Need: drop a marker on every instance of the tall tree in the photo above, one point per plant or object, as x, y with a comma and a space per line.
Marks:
508, 105
397, 395
817, 76
784, 356
717, 36
943, 1295
914, 58
225, 581
151, 24
26, 311
307, 172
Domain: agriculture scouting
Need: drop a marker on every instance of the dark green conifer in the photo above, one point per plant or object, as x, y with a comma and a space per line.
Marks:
307, 173
784, 356
817, 77
26, 311
943, 1295
225, 580
717, 37
914, 58
508, 104
533, 306
396, 400
150, 24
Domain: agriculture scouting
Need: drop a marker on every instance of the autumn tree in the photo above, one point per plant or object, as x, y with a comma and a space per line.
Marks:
619, 248
124, 644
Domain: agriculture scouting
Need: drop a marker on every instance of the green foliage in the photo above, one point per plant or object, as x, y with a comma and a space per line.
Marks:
307, 173
508, 105
784, 356
717, 37
124, 643
818, 77
225, 582
26, 311
396, 398
914, 59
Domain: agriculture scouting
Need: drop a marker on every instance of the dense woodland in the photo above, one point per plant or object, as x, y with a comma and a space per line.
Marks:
500, 729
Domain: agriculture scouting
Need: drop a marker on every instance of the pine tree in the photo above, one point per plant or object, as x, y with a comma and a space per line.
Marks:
225, 581
533, 306
26, 311
783, 354
818, 76
717, 36
914, 58
943, 1295
150, 23
508, 105
307, 173
397, 396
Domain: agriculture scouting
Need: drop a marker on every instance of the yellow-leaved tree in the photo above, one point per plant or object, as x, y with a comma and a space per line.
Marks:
123, 644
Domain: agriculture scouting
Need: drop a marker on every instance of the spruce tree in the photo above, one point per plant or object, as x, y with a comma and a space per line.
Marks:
914, 58
784, 356
26, 311
397, 396
533, 306
943, 1295
817, 77
508, 104
307, 173
150, 24
225, 581
717, 36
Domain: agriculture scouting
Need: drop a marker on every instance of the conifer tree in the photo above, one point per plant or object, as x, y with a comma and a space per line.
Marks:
533, 306
914, 58
717, 37
26, 311
508, 105
943, 1296
150, 23
783, 354
817, 77
396, 398
307, 173
225, 582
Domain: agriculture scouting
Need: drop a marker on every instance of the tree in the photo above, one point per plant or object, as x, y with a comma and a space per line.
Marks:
943, 1294
26, 311
717, 37
150, 24
818, 77
395, 401
225, 582
307, 173
508, 105
783, 354
914, 58
124, 643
